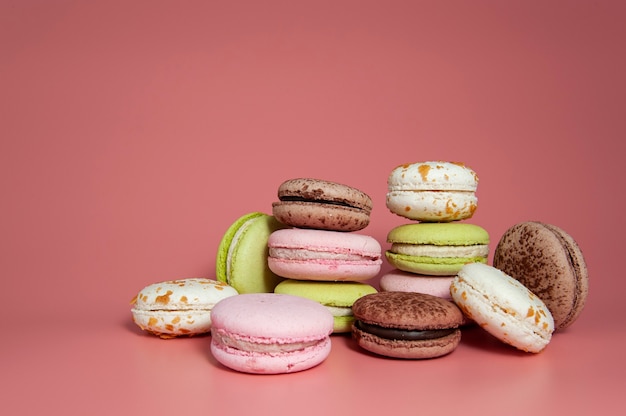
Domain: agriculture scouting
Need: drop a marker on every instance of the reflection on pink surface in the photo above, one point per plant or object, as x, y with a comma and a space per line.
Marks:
134, 133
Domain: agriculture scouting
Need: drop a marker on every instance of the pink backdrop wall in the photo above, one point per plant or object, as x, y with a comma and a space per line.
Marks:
132, 133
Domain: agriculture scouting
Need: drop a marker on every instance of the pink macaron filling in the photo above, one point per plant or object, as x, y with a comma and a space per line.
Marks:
243, 345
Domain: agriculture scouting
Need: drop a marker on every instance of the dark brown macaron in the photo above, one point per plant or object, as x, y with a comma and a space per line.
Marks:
320, 204
548, 261
406, 325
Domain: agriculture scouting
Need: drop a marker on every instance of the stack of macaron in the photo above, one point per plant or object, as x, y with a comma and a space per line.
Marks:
320, 255
428, 252
307, 247
242, 254
287, 281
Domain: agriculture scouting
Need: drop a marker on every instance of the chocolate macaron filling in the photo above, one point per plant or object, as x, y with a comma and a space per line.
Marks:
403, 334
320, 201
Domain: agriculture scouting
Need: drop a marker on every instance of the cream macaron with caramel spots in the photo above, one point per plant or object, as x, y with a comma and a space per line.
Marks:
503, 307
178, 307
434, 191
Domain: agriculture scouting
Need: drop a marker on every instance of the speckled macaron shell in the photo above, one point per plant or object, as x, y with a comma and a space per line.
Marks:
323, 255
434, 191
338, 297
547, 260
407, 311
321, 204
270, 333
242, 254
503, 307
178, 307
436, 249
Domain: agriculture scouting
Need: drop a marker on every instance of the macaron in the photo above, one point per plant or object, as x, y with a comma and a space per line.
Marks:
270, 333
434, 191
503, 307
337, 297
307, 254
406, 325
400, 281
547, 260
437, 249
242, 254
321, 204
178, 307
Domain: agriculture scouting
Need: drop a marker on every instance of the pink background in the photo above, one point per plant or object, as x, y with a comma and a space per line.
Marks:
133, 133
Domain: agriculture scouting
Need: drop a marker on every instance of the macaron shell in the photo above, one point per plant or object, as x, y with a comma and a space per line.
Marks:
256, 363
407, 349
182, 294
400, 281
548, 261
343, 324
329, 294
326, 270
340, 294
171, 324
272, 315
445, 234
326, 241
242, 254
435, 206
404, 310
432, 175
432, 266
320, 216
503, 307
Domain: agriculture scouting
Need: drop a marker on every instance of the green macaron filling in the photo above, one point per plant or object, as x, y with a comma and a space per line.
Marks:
433, 260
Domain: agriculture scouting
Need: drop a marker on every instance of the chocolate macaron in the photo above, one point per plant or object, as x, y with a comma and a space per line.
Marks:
406, 325
548, 261
320, 204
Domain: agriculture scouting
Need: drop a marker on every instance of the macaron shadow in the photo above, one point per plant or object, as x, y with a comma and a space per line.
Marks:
474, 337
130, 326
353, 346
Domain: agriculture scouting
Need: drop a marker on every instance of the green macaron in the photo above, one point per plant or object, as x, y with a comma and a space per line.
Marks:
242, 254
437, 249
337, 296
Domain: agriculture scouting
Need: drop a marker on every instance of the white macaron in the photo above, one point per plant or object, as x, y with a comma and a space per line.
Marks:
178, 307
503, 307
432, 191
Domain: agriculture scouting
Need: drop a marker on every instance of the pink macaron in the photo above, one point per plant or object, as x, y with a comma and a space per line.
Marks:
270, 333
309, 254
400, 281
397, 280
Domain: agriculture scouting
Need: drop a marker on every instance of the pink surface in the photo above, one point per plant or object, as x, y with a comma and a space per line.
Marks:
134, 133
